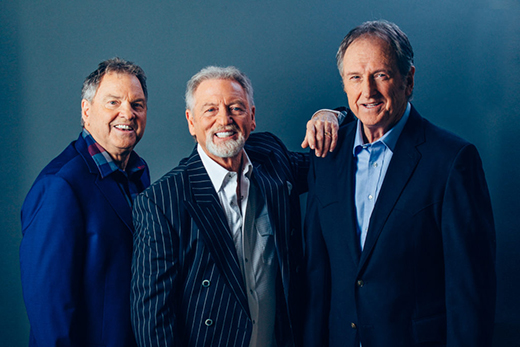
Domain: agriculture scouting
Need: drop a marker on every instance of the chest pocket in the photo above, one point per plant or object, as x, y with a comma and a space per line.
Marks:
265, 238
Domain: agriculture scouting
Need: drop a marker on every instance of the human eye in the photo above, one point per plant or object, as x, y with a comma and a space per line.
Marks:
138, 105
237, 110
209, 111
381, 75
112, 103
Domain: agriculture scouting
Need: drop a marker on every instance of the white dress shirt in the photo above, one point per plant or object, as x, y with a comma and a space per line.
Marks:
253, 237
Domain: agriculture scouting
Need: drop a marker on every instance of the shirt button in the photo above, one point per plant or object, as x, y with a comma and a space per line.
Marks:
374, 165
370, 197
353, 325
360, 283
206, 283
208, 322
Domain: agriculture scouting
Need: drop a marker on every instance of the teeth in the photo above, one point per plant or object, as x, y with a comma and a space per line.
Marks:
124, 127
224, 134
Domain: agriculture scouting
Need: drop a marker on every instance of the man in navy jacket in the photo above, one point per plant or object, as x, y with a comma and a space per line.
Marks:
400, 239
77, 227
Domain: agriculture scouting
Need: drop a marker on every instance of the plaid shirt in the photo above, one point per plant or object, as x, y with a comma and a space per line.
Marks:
129, 180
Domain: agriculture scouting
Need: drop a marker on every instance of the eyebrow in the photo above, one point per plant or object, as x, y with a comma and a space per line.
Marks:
233, 102
386, 71
112, 96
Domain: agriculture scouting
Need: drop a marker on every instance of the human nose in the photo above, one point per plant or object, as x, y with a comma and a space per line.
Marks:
126, 110
224, 116
369, 88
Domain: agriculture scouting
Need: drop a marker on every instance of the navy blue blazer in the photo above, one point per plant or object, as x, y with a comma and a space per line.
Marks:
187, 287
76, 254
426, 274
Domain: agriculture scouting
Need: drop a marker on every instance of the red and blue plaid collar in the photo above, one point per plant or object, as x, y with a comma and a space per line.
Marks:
104, 161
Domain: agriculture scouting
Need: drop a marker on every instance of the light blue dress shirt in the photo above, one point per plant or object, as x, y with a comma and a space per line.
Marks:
372, 161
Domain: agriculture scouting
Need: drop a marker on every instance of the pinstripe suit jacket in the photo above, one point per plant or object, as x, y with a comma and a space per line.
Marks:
187, 287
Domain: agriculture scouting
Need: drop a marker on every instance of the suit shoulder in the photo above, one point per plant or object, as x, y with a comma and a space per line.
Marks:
443, 140
68, 165
173, 180
265, 142
262, 138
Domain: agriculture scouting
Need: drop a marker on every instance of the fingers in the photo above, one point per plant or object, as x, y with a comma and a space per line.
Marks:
310, 136
331, 138
319, 138
322, 133
325, 125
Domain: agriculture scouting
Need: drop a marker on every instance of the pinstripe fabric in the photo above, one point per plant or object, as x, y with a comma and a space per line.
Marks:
187, 287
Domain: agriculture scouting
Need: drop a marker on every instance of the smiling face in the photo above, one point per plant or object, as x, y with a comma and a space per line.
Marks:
116, 117
221, 120
376, 91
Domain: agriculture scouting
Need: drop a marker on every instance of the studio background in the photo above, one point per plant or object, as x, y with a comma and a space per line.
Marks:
467, 56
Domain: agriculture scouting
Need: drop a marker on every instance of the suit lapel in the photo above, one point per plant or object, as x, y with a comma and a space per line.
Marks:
108, 187
336, 194
204, 207
404, 161
346, 210
117, 200
267, 179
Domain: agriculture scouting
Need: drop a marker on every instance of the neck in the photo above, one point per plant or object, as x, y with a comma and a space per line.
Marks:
232, 163
372, 134
121, 160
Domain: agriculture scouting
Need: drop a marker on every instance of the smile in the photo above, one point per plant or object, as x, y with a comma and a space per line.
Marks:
123, 127
372, 105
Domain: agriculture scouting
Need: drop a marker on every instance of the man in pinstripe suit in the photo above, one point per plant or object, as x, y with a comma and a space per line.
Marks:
217, 245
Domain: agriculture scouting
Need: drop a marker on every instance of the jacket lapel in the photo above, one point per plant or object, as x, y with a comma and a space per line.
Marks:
108, 187
275, 193
336, 194
404, 161
204, 207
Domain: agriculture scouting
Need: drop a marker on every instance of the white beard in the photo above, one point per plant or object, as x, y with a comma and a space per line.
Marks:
229, 149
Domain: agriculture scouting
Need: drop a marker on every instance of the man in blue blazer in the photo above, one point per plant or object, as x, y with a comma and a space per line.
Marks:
218, 244
76, 250
400, 239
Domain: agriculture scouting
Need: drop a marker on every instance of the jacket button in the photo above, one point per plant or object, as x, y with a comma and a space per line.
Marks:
353, 325
360, 283
206, 283
208, 322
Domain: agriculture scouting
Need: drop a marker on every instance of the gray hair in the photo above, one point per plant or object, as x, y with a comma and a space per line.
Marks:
386, 31
118, 65
218, 73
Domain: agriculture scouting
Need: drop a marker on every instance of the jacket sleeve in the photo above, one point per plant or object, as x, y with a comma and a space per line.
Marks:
51, 261
469, 251
154, 274
300, 161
